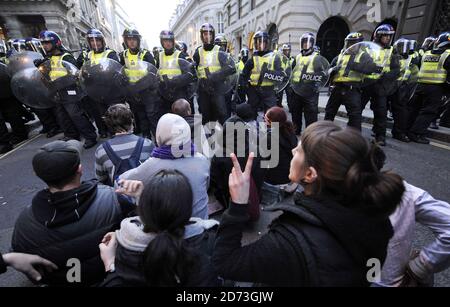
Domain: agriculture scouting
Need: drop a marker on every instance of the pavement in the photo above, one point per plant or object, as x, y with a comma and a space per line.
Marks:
426, 166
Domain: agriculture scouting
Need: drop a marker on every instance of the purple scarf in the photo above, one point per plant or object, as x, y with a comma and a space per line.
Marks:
166, 152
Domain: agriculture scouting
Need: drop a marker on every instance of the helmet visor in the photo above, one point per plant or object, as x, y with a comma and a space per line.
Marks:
307, 42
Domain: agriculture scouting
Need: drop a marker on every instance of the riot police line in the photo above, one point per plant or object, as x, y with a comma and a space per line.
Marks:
69, 94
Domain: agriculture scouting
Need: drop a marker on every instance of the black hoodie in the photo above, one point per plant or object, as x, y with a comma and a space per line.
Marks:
315, 242
65, 225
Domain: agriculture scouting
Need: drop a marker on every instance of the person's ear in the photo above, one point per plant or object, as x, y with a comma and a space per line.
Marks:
310, 176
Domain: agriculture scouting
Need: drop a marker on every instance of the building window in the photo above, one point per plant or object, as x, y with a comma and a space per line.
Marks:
220, 23
239, 8
252, 4
229, 15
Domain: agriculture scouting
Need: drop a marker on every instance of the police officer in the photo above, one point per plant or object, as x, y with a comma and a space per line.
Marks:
382, 83
433, 85
307, 104
144, 105
98, 51
175, 78
399, 100
182, 46
288, 62
347, 73
5, 145
243, 58
427, 45
260, 90
222, 42
212, 70
47, 117
72, 118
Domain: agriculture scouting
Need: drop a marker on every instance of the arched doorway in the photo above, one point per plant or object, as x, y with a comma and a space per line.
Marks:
331, 36
273, 36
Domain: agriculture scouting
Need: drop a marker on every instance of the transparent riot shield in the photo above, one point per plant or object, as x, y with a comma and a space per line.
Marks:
409, 76
311, 75
5, 81
22, 60
31, 87
103, 81
177, 80
142, 76
63, 79
217, 73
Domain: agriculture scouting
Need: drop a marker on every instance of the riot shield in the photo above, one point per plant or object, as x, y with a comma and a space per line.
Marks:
409, 77
217, 81
31, 87
22, 60
5, 81
310, 76
142, 76
177, 80
63, 80
274, 71
103, 81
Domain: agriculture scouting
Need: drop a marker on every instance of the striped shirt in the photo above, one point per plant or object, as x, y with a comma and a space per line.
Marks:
123, 146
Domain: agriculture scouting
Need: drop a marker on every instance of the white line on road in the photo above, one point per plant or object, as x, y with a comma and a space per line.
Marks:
20, 146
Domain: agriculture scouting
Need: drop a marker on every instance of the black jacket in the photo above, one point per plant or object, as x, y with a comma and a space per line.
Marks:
315, 242
280, 173
129, 271
67, 225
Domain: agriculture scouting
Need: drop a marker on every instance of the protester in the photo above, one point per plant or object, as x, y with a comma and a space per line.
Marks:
122, 147
404, 266
67, 219
153, 249
287, 140
315, 242
182, 108
175, 151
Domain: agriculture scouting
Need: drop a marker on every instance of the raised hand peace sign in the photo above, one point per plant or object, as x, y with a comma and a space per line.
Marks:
239, 182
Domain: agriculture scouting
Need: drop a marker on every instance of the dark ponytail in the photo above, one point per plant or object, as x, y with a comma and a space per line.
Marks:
165, 208
379, 192
349, 169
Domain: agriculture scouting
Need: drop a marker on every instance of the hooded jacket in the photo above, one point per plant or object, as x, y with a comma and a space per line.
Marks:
315, 242
67, 225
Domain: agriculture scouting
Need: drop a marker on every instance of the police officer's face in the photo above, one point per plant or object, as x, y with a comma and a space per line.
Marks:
385, 39
132, 43
207, 37
47, 46
287, 52
96, 43
167, 44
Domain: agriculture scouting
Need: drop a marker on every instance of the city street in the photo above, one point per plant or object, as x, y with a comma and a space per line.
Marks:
425, 166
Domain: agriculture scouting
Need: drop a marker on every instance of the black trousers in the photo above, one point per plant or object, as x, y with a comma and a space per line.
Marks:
48, 118
261, 98
74, 122
212, 106
307, 106
399, 107
378, 104
153, 108
11, 109
424, 107
96, 111
350, 97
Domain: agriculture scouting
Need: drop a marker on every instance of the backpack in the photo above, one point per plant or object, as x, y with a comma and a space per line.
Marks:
123, 165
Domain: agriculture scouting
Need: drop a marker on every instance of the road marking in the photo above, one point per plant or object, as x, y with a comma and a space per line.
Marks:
20, 146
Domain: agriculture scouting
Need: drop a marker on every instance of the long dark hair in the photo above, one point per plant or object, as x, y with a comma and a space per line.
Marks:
348, 169
278, 115
165, 208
